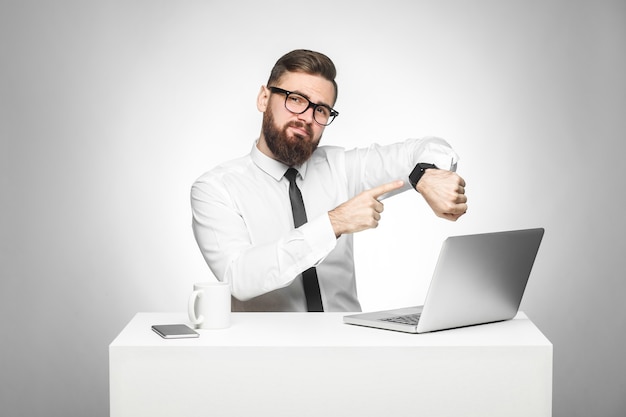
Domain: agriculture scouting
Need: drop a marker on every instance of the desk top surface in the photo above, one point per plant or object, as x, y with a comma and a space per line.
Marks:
323, 330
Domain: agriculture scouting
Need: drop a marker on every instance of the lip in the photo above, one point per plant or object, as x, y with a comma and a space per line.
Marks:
299, 131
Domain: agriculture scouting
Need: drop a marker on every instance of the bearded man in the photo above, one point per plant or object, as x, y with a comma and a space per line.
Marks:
278, 223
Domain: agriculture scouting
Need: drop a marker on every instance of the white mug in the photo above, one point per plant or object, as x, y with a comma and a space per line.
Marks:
209, 305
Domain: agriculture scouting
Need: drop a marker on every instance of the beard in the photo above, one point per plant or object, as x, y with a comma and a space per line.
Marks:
290, 150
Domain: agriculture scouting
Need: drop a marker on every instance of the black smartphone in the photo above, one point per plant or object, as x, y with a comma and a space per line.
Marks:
174, 331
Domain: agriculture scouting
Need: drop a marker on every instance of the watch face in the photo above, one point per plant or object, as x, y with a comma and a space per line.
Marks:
418, 171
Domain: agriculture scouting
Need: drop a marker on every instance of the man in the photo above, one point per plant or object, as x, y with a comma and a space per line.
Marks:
244, 211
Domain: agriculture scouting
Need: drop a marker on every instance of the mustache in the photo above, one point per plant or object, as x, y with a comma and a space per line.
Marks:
301, 125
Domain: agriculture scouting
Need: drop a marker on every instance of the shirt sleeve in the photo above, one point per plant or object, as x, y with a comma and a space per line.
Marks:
378, 164
235, 256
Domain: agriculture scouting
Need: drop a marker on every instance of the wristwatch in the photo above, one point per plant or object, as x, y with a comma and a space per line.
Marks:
418, 171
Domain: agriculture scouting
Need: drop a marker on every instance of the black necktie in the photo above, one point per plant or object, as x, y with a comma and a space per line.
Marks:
309, 277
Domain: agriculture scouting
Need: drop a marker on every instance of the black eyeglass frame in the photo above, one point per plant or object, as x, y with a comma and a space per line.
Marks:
333, 113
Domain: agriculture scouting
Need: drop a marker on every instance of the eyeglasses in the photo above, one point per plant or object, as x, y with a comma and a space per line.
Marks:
298, 104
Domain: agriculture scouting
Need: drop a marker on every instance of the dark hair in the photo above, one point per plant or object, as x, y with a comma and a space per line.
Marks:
303, 60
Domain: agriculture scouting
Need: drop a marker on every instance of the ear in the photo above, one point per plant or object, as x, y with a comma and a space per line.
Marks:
262, 99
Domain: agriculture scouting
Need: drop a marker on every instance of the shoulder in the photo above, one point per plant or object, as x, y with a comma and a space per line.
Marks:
233, 167
217, 180
328, 152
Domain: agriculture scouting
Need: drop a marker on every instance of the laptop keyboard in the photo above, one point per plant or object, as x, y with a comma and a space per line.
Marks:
410, 319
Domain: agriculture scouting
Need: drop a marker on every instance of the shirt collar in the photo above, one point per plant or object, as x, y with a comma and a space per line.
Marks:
272, 167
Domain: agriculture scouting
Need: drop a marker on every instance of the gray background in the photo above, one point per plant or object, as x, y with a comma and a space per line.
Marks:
110, 110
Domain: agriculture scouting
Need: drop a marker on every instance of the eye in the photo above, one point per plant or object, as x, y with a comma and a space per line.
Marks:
323, 110
298, 100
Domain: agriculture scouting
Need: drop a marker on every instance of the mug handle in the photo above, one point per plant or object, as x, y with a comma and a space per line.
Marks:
191, 307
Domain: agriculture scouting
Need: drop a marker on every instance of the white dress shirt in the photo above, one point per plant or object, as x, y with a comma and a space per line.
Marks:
243, 223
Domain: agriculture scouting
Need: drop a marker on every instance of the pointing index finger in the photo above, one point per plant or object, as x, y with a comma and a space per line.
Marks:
385, 188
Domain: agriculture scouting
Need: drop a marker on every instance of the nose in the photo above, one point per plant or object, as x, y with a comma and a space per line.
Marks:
307, 115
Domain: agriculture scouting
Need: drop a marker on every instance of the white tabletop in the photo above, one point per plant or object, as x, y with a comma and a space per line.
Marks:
323, 330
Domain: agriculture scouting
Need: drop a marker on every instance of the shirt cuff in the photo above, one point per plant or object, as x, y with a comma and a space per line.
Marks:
437, 151
320, 235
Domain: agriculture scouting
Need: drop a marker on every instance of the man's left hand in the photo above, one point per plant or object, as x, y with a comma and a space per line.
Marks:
444, 191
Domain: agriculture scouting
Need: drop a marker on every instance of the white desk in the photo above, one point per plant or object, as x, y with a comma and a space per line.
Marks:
311, 364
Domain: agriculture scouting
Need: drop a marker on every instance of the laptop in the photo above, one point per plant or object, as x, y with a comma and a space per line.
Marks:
478, 279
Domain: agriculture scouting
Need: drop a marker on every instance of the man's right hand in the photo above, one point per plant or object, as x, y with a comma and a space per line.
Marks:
361, 212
